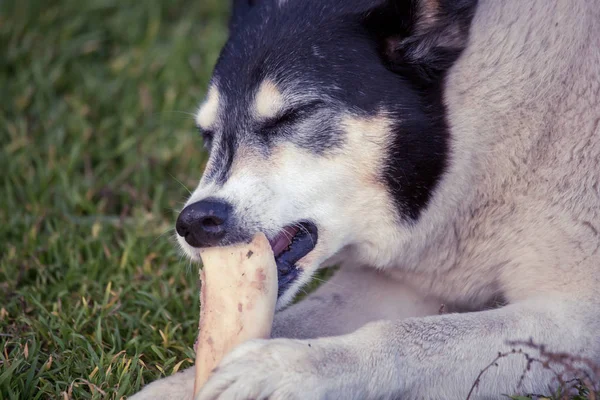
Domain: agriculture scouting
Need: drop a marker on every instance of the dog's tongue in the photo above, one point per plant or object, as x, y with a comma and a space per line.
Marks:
283, 239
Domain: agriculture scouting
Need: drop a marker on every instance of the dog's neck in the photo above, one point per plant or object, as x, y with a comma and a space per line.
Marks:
505, 96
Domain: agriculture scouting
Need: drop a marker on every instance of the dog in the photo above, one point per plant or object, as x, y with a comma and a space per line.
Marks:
440, 152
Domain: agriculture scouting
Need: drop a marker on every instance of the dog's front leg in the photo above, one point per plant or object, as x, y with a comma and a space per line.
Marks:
352, 298
437, 357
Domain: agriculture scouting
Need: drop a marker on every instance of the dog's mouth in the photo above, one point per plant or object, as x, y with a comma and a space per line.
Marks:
291, 244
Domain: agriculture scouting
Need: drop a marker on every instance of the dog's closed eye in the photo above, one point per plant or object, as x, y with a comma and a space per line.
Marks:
290, 116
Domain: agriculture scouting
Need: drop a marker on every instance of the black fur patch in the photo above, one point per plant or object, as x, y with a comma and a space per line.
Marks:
352, 56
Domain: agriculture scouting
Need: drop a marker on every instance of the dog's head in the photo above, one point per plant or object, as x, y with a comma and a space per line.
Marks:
325, 127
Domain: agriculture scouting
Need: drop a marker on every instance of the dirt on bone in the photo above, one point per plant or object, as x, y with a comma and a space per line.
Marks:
259, 282
240, 304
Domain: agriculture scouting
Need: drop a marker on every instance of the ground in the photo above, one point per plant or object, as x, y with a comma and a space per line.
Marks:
97, 149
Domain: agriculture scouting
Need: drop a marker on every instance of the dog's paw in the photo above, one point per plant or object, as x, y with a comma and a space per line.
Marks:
175, 387
281, 369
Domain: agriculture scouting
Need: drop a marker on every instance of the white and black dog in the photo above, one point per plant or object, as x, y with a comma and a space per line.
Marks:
440, 152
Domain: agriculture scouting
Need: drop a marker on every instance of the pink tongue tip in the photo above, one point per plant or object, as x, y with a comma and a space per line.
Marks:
283, 239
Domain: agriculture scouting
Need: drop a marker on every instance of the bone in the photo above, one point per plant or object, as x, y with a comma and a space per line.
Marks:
238, 296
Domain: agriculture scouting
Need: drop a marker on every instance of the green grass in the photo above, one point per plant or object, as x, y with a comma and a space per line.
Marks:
95, 138
94, 298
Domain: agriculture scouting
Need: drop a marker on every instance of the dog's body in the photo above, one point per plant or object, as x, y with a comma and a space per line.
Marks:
508, 239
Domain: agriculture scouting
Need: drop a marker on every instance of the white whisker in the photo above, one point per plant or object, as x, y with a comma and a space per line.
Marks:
287, 235
303, 228
328, 282
181, 183
158, 237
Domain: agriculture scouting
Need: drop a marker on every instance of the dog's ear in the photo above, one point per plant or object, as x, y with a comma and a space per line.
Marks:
239, 9
421, 37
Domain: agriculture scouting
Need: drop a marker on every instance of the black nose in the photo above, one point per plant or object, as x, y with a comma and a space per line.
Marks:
203, 224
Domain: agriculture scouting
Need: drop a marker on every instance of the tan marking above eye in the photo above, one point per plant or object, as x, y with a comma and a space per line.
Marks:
207, 114
268, 101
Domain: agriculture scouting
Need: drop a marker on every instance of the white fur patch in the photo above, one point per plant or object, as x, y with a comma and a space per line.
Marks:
268, 101
208, 112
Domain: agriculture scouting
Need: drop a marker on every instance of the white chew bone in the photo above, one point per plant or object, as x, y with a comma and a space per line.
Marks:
238, 296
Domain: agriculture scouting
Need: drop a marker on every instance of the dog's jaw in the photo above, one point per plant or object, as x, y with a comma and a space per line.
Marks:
307, 266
